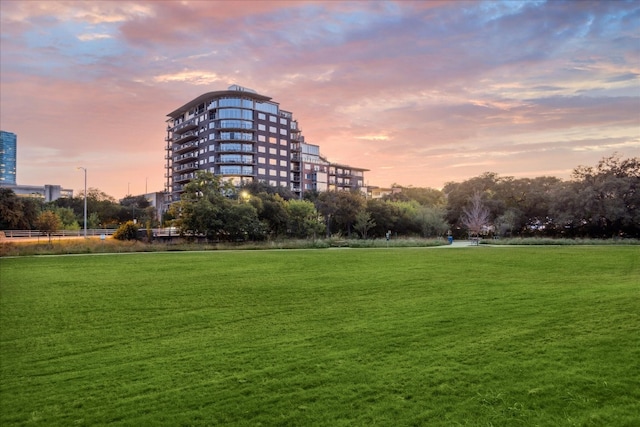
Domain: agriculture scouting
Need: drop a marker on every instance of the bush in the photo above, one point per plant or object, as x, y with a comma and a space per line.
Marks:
127, 231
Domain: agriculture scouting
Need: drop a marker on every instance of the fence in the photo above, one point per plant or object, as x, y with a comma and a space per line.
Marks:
60, 233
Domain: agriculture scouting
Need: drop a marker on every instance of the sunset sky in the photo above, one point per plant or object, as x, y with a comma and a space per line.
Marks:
419, 92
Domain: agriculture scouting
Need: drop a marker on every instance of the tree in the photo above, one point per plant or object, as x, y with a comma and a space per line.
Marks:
241, 222
272, 211
406, 220
385, 216
363, 223
475, 217
18, 212
93, 220
339, 209
202, 209
424, 196
430, 220
67, 218
459, 194
600, 202
49, 222
506, 223
304, 219
137, 207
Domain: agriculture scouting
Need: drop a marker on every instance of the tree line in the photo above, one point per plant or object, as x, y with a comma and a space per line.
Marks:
599, 201
67, 213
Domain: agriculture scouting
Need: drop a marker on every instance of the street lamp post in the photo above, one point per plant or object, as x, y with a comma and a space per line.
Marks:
85, 200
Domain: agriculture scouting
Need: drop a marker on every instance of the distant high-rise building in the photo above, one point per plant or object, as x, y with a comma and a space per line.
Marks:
243, 136
8, 150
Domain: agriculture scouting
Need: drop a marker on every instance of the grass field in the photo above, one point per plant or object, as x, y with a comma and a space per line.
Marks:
481, 336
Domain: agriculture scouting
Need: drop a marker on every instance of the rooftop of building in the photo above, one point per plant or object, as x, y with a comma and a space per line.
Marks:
233, 90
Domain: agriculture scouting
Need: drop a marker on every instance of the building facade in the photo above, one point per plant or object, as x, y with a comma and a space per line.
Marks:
8, 153
243, 136
46, 192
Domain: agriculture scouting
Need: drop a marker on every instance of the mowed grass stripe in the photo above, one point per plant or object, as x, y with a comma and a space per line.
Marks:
470, 336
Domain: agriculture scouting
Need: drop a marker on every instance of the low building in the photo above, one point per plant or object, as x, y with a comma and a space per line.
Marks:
47, 192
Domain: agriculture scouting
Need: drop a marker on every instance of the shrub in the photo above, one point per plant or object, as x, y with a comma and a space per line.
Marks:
127, 231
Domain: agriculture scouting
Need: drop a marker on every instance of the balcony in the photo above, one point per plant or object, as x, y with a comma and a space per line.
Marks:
185, 177
221, 161
184, 127
295, 157
185, 157
230, 124
186, 167
236, 150
185, 137
235, 138
185, 147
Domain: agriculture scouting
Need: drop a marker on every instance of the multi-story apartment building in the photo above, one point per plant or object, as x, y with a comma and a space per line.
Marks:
8, 151
244, 136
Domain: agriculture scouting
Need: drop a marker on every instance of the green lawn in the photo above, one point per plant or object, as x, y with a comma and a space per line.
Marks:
480, 336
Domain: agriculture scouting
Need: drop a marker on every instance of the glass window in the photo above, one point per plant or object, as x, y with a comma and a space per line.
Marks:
283, 174
283, 132
230, 102
230, 170
273, 172
262, 149
235, 113
262, 127
262, 116
262, 160
230, 147
273, 162
247, 136
273, 119
283, 142
262, 138
239, 124
272, 183
230, 158
283, 121
283, 153
272, 129
267, 107
273, 151
283, 163
262, 171
273, 140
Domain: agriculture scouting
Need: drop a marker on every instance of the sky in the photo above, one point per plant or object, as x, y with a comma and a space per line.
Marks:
421, 93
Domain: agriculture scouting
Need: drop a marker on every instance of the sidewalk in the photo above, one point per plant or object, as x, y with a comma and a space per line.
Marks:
460, 244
